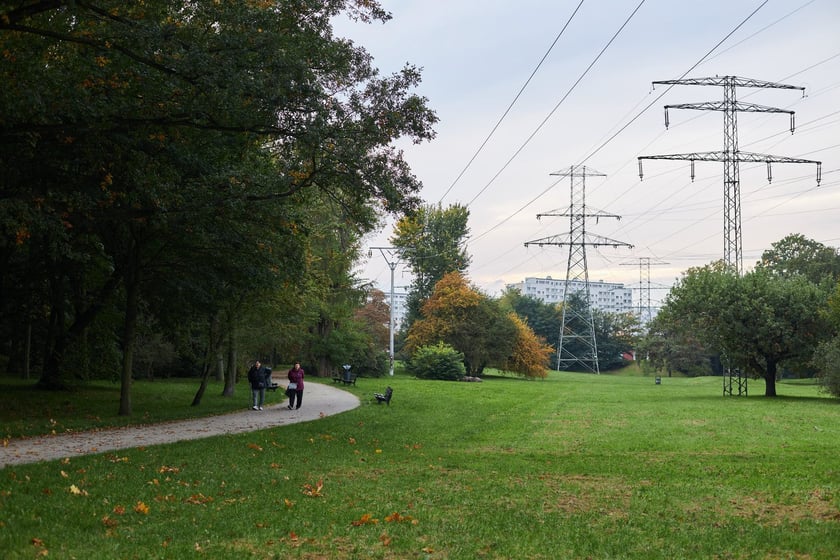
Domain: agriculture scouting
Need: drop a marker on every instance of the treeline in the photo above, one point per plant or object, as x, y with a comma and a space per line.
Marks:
781, 318
190, 181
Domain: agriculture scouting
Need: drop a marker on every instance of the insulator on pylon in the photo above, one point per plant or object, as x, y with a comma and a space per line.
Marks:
769, 173
667, 122
692, 170
641, 175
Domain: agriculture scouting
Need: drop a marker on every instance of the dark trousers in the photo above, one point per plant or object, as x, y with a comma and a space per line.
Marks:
292, 395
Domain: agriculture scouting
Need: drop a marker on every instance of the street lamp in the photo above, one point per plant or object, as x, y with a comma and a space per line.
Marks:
392, 257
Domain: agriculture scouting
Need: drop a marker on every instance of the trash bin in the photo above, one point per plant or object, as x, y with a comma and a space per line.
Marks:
658, 380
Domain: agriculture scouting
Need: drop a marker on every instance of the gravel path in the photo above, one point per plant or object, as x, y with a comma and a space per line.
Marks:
319, 400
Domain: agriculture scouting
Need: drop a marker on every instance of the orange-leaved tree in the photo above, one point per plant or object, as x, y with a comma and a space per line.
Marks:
476, 325
531, 354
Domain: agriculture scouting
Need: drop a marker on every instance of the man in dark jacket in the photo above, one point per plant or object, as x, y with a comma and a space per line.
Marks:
256, 377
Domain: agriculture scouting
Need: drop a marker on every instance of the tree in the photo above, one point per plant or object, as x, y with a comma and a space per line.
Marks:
477, 326
796, 254
431, 240
544, 319
531, 355
615, 334
758, 320
827, 355
671, 343
166, 127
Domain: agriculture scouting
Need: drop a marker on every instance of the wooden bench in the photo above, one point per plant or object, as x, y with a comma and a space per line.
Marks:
272, 387
345, 377
384, 398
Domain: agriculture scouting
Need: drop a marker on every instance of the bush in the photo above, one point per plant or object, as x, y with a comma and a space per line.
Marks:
440, 361
827, 360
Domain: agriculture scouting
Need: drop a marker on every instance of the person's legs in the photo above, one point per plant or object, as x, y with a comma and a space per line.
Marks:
254, 398
299, 397
292, 395
262, 398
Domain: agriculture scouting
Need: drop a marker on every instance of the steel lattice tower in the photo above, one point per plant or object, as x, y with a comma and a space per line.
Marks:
731, 157
645, 315
577, 344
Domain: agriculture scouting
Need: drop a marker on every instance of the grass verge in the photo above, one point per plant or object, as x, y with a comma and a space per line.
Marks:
574, 466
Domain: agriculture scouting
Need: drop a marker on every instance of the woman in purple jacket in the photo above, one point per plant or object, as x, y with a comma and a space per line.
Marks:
295, 388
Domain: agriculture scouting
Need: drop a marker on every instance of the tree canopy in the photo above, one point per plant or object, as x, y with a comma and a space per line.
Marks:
477, 326
757, 321
163, 154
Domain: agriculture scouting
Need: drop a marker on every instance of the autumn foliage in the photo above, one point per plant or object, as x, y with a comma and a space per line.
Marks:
458, 315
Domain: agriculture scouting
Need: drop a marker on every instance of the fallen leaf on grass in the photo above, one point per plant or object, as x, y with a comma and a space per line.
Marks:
76, 491
255, 446
396, 517
313, 491
366, 519
140, 507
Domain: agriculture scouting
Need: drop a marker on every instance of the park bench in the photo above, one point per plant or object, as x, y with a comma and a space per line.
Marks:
384, 398
344, 377
270, 384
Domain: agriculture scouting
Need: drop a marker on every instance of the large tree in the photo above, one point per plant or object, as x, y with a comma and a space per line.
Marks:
431, 241
796, 254
137, 135
758, 321
480, 328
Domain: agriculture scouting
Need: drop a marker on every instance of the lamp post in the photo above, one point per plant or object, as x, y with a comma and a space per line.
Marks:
392, 257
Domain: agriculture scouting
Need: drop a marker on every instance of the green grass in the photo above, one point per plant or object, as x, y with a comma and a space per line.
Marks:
28, 412
574, 466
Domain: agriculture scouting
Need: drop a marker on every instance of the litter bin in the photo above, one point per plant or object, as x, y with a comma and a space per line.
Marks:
658, 380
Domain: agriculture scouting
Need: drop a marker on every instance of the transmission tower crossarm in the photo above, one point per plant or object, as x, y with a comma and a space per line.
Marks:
566, 213
727, 80
589, 240
749, 157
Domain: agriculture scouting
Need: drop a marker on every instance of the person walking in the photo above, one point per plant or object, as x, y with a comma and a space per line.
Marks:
256, 377
295, 387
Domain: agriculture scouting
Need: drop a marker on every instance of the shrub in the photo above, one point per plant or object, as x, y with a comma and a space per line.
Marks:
440, 361
827, 360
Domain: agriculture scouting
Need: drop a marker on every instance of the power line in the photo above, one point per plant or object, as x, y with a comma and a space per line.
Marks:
512, 103
545, 120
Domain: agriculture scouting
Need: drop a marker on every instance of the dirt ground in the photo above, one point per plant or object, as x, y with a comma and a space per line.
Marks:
319, 400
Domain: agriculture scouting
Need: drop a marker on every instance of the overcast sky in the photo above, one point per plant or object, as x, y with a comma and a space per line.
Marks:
477, 55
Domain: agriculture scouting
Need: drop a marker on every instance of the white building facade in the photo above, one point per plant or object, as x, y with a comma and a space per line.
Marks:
398, 307
609, 297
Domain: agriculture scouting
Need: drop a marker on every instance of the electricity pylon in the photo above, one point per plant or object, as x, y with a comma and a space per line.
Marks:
644, 288
731, 156
577, 344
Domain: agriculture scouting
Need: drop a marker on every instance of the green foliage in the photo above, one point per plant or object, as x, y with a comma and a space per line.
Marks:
796, 254
827, 360
439, 361
469, 321
164, 155
758, 321
432, 243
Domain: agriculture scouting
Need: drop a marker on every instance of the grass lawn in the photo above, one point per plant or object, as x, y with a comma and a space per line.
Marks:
574, 466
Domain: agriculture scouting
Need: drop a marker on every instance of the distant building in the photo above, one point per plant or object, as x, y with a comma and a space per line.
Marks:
609, 297
399, 307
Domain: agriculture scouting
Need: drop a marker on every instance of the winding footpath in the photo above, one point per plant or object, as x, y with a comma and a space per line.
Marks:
319, 401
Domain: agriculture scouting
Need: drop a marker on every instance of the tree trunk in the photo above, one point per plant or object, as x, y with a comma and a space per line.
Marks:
770, 379
129, 329
209, 354
60, 339
231, 369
